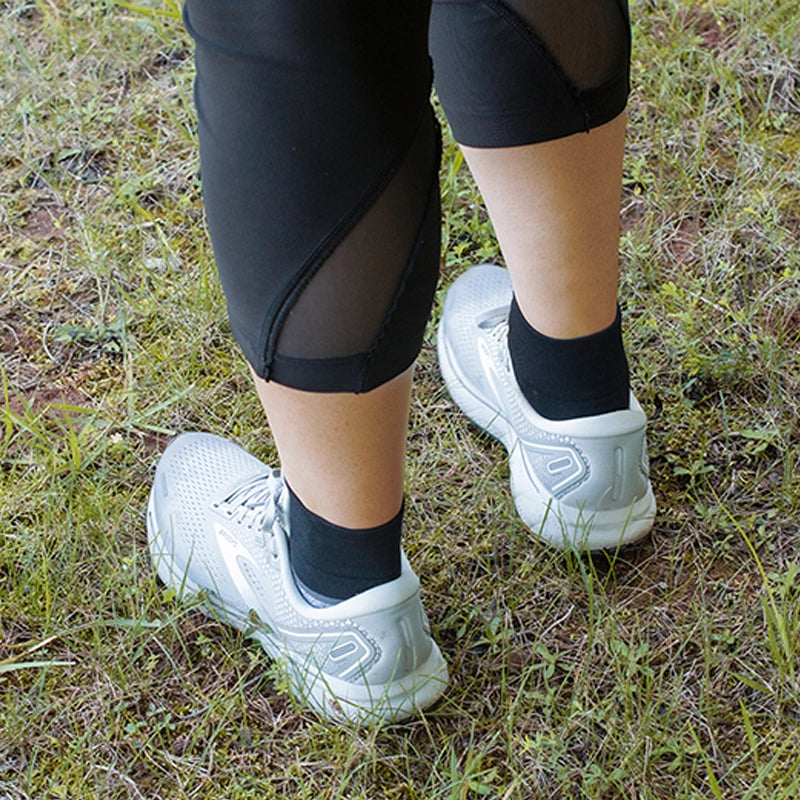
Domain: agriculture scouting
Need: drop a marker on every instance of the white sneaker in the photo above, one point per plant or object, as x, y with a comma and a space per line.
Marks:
576, 483
216, 529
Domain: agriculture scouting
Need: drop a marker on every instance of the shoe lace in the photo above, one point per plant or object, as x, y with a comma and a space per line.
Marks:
496, 327
258, 505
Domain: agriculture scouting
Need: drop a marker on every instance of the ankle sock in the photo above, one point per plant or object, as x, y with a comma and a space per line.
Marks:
331, 563
569, 378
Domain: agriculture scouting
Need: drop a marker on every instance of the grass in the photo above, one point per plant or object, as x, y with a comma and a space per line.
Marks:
671, 670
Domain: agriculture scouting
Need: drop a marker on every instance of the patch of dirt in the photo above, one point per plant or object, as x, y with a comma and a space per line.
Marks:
681, 244
45, 401
632, 213
717, 32
783, 318
37, 384
16, 345
44, 223
714, 35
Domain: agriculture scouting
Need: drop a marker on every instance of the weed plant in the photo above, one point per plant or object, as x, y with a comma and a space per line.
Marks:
668, 670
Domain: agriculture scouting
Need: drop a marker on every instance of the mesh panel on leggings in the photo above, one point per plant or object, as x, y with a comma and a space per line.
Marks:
588, 38
341, 310
357, 319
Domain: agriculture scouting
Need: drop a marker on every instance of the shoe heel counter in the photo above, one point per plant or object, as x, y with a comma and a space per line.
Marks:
403, 636
618, 475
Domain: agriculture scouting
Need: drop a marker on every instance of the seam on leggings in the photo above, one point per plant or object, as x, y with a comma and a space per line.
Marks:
522, 27
283, 303
412, 258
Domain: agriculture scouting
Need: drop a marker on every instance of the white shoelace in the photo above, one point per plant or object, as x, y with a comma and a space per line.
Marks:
496, 327
257, 504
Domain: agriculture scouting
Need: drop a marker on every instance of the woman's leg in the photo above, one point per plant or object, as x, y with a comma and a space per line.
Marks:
342, 454
319, 155
555, 208
320, 158
540, 116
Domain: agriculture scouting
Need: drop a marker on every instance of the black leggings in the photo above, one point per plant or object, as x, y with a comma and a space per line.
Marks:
320, 155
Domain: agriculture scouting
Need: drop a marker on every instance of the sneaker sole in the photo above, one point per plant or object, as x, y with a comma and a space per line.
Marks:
332, 697
562, 526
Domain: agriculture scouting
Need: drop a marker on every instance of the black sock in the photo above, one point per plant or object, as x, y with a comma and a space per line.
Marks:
568, 378
332, 563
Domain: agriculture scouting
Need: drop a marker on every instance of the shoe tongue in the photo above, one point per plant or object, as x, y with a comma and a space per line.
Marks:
493, 318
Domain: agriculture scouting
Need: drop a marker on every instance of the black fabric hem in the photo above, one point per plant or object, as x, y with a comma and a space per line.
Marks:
519, 127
